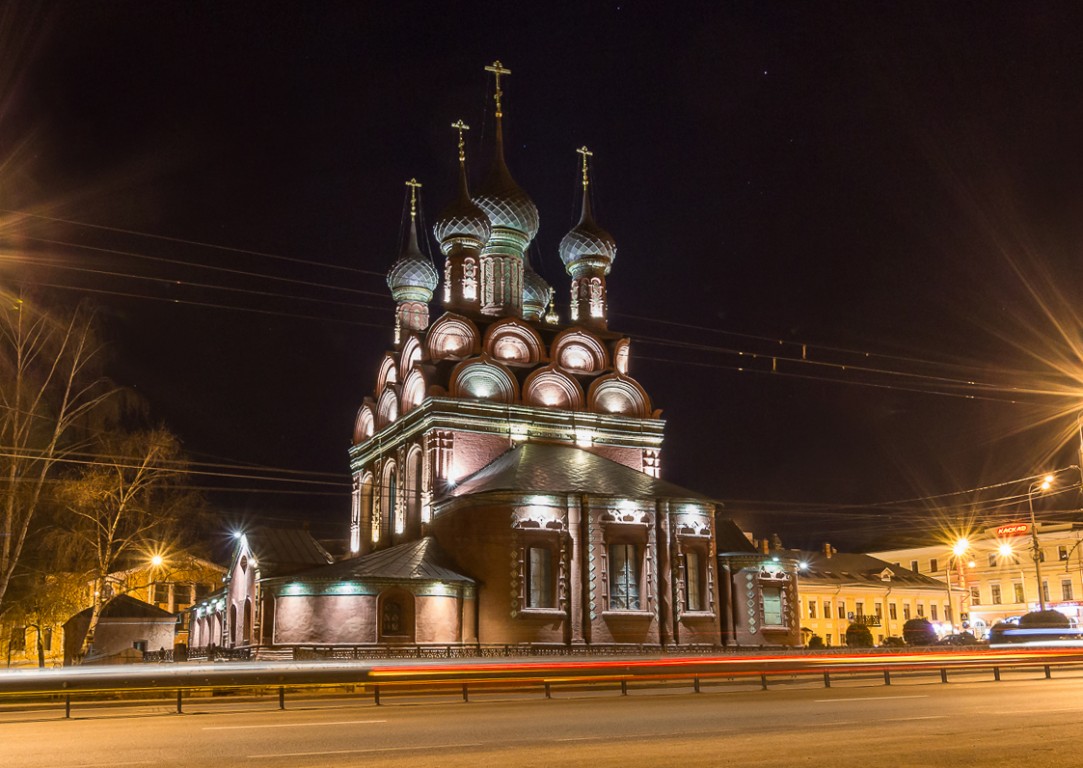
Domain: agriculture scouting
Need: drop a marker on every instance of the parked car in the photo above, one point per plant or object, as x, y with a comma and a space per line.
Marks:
959, 638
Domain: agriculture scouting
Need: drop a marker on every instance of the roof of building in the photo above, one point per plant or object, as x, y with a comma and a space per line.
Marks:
282, 550
730, 538
850, 568
126, 607
421, 560
549, 468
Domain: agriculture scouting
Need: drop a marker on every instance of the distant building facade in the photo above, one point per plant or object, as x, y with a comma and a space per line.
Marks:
838, 589
997, 573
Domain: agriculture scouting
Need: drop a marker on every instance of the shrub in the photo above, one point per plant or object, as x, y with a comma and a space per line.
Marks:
919, 632
858, 636
1044, 620
815, 642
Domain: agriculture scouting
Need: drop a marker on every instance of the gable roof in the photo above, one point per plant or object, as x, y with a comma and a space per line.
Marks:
282, 550
550, 468
127, 607
851, 567
421, 560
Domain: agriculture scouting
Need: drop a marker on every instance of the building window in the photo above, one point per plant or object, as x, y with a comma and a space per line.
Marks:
18, 639
933, 566
624, 577
392, 617
932, 612
140, 645
1020, 597
921, 610
540, 592
812, 609
859, 608
994, 593
879, 610
892, 612
992, 559
842, 609
47, 638
906, 611
827, 609
182, 594
975, 596
772, 606
1062, 552
1041, 555
914, 566
161, 593
695, 580
1045, 591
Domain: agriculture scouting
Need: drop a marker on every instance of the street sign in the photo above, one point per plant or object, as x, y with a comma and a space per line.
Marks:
1013, 529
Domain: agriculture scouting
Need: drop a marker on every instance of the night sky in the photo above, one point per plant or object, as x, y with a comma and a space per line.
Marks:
849, 234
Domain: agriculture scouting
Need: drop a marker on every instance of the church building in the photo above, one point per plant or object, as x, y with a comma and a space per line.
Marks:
507, 464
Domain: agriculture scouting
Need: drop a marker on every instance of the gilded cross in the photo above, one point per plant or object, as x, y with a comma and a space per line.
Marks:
414, 186
498, 69
585, 153
461, 126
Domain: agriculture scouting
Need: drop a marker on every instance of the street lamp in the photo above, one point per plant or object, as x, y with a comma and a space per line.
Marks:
958, 549
1036, 551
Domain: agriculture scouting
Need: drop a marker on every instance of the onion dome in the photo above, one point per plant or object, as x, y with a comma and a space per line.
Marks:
535, 294
588, 244
463, 222
413, 276
502, 200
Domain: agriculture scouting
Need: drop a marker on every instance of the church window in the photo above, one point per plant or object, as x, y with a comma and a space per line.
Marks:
772, 606
470, 279
392, 617
695, 580
540, 582
394, 507
624, 577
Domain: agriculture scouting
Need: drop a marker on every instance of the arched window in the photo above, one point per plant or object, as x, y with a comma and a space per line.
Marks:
246, 628
388, 499
232, 624
395, 615
412, 489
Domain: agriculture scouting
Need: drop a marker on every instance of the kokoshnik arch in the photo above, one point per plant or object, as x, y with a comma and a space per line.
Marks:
506, 467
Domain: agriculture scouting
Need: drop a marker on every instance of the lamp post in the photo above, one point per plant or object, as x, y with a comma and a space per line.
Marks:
1035, 546
958, 549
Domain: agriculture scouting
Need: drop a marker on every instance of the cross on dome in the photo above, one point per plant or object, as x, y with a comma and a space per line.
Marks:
498, 69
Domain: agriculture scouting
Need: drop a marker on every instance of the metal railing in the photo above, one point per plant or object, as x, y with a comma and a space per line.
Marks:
524, 674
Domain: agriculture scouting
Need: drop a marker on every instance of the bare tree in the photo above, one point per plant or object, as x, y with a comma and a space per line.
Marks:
49, 383
128, 501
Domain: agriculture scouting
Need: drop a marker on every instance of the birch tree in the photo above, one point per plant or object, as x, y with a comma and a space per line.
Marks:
50, 383
125, 504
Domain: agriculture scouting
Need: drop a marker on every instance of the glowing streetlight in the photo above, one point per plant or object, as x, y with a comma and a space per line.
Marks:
156, 561
1036, 552
1005, 551
958, 549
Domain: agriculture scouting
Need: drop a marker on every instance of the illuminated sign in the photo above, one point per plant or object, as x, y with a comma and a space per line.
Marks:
1013, 529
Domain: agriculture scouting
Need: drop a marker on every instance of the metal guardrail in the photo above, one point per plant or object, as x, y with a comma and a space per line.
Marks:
516, 674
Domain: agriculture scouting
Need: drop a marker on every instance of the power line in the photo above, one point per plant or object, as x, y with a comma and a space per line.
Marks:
191, 242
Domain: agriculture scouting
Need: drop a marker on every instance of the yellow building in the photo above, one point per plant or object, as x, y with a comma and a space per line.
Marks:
172, 583
995, 569
837, 589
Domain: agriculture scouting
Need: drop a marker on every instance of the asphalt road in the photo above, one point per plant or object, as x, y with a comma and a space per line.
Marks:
972, 721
